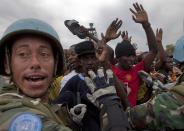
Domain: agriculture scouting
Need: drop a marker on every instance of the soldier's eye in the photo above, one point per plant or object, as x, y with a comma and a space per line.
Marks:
22, 54
44, 54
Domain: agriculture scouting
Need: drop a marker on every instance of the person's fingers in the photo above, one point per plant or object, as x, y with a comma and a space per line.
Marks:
134, 19
102, 35
95, 44
109, 76
118, 34
157, 32
116, 20
160, 31
126, 33
119, 24
134, 5
112, 23
141, 7
132, 11
130, 38
91, 74
138, 7
90, 84
123, 34
100, 72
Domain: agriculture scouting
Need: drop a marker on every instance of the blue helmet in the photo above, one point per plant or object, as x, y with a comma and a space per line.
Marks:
32, 26
179, 50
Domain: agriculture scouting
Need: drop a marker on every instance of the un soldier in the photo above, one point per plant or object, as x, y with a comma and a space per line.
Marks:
31, 54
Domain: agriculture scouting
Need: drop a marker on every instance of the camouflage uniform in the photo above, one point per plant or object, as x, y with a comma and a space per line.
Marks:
163, 111
52, 117
4, 81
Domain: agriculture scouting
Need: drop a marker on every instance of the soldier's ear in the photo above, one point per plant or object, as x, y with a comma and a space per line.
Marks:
7, 66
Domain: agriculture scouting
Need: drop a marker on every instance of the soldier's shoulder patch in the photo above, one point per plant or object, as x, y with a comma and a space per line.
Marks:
26, 121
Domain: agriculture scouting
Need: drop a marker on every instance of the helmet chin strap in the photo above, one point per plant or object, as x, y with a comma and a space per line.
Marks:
9, 69
7, 55
55, 66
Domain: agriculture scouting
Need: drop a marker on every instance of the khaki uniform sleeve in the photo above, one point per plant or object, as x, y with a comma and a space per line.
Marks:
10, 108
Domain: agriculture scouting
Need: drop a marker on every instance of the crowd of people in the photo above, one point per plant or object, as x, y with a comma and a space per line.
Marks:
87, 87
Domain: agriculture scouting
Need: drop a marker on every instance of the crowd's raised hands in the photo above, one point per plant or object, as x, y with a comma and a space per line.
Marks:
111, 32
140, 16
159, 33
124, 36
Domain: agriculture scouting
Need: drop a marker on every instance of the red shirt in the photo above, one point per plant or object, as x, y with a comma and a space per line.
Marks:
132, 78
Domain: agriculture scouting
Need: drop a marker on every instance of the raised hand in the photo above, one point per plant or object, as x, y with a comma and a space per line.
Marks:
140, 16
159, 33
111, 32
101, 49
124, 36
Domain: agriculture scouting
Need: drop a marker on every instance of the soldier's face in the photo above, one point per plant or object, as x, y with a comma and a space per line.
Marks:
32, 64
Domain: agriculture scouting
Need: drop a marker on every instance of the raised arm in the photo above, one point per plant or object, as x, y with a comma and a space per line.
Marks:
103, 96
161, 51
103, 50
140, 16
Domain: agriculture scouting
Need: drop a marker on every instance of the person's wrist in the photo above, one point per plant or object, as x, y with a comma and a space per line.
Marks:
146, 24
107, 98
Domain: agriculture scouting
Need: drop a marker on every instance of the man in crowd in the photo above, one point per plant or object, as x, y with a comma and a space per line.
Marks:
86, 54
73, 64
125, 54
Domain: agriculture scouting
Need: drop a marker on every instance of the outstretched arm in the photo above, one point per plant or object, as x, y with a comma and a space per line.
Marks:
140, 16
111, 34
103, 95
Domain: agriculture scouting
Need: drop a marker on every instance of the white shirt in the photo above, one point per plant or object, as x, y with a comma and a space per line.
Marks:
66, 78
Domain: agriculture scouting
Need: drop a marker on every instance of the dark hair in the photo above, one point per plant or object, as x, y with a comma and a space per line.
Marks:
124, 49
85, 47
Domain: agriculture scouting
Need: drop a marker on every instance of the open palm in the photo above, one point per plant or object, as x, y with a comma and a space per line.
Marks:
140, 16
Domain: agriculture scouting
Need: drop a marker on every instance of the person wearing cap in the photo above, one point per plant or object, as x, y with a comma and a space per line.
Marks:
32, 56
87, 60
125, 70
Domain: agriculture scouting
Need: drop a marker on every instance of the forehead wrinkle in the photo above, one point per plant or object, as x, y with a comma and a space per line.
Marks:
21, 46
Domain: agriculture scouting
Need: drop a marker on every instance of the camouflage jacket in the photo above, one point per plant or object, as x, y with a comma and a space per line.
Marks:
164, 111
13, 104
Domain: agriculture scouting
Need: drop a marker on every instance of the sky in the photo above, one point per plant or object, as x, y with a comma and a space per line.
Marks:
165, 14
